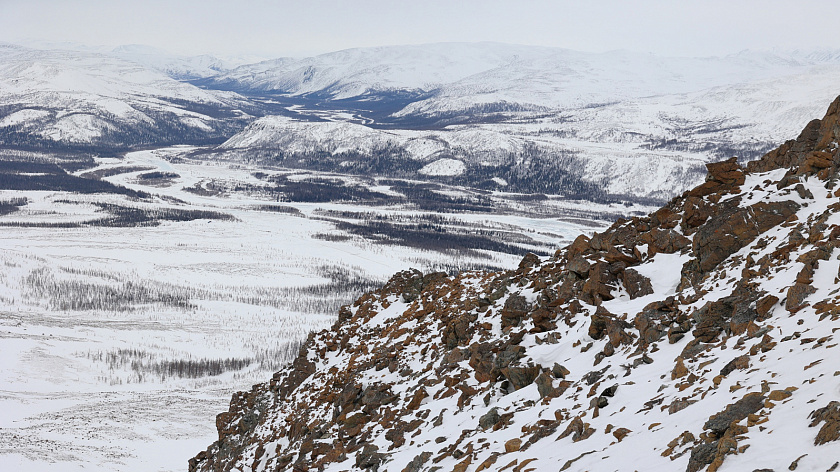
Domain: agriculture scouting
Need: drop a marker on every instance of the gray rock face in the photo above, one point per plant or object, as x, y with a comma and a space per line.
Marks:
737, 411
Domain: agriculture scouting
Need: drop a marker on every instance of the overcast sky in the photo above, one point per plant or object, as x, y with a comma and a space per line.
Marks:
306, 27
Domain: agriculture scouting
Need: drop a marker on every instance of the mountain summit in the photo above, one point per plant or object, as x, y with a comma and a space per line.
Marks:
700, 337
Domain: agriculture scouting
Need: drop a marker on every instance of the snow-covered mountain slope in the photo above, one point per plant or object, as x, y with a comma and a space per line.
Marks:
636, 125
567, 79
459, 76
301, 137
626, 124
76, 98
175, 66
463, 155
295, 136
649, 146
354, 72
761, 110
701, 337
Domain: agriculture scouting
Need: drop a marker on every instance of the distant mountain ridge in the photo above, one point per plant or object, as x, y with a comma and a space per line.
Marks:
495, 116
638, 125
491, 72
68, 99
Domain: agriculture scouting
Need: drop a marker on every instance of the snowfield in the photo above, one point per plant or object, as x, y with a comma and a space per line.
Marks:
120, 344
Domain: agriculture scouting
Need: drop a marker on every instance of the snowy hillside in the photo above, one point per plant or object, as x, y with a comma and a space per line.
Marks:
52, 97
635, 125
294, 136
353, 72
176, 67
698, 338
617, 125
495, 72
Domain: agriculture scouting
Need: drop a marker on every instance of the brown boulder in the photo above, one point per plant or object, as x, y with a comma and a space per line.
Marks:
665, 241
764, 305
724, 177
728, 171
749, 404
603, 323
369, 458
482, 361
816, 160
712, 318
615, 254
598, 286
530, 260
830, 431
559, 372
544, 383
740, 362
520, 376
417, 398
701, 455
621, 433
542, 319
665, 218
579, 266
459, 329
734, 228
578, 247
578, 430
796, 296
514, 310
636, 284
546, 388
654, 320
696, 212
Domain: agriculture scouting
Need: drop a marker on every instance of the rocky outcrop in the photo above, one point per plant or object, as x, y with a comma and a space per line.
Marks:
701, 334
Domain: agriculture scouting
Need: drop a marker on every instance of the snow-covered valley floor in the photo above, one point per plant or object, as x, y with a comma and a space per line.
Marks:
126, 323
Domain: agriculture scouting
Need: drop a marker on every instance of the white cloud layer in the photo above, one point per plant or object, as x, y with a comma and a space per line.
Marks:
278, 28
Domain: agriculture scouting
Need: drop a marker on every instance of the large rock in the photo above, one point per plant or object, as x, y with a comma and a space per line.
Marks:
701, 456
796, 296
830, 415
712, 318
598, 287
749, 404
515, 309
723, 177
653, 321
636, 284
579, 266
603, 323
520, 376
369, 458
665, 241
735, 227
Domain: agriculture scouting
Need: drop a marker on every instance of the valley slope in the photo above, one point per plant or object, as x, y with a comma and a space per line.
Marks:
699, 337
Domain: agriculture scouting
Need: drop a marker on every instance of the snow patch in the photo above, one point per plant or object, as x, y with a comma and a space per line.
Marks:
442, 167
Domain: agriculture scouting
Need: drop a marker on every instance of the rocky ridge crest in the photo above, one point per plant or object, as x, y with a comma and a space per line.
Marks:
698, 337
